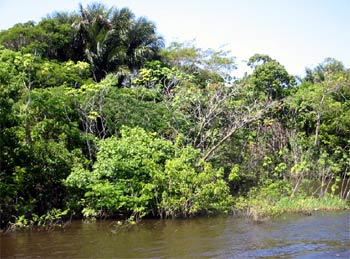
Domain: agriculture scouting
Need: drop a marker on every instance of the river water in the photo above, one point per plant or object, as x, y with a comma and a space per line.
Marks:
321, 235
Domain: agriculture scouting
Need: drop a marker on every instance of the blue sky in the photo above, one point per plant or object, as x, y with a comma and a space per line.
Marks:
298, 33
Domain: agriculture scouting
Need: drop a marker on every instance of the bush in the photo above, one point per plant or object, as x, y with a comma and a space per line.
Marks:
141, 174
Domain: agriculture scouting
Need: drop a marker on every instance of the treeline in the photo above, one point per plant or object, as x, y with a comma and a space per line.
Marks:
99, 119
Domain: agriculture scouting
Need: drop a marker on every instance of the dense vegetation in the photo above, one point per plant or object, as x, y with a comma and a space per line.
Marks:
99, 119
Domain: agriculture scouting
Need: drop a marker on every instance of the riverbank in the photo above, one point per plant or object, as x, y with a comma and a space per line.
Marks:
260, 208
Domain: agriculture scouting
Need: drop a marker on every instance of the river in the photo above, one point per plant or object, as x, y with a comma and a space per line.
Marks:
321, 235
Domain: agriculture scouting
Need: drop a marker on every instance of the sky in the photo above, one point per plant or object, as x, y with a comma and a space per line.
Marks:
297, 33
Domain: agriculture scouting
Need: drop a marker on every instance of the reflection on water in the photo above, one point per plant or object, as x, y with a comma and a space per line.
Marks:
322, 235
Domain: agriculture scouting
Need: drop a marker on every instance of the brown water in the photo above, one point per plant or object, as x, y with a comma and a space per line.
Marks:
321, 235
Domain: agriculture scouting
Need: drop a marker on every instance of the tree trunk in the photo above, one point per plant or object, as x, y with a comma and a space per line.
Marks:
319, 114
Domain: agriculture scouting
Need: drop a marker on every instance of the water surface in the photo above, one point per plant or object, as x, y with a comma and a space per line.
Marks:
321, 235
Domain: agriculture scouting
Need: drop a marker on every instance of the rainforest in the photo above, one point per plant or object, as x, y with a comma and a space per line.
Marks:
101, 118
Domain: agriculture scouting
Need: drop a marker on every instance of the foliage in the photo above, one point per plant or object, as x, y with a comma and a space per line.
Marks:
50, 38
139, 174
269, 77
112, 39
109, 39
52, 219
40, 139
156, 75
260, 201
97, 117
275, 198
208, 66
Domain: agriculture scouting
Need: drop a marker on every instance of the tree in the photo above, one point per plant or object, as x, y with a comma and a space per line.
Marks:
207, 66
50, 38
319, 115
208, 116
269, 77
160, 77
39, 139
103, 109
112, 40
318, 101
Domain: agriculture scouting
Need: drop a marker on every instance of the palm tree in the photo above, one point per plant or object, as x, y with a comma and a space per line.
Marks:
142, 42
112, 39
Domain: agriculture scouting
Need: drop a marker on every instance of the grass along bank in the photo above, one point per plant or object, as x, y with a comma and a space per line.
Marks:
275, 199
